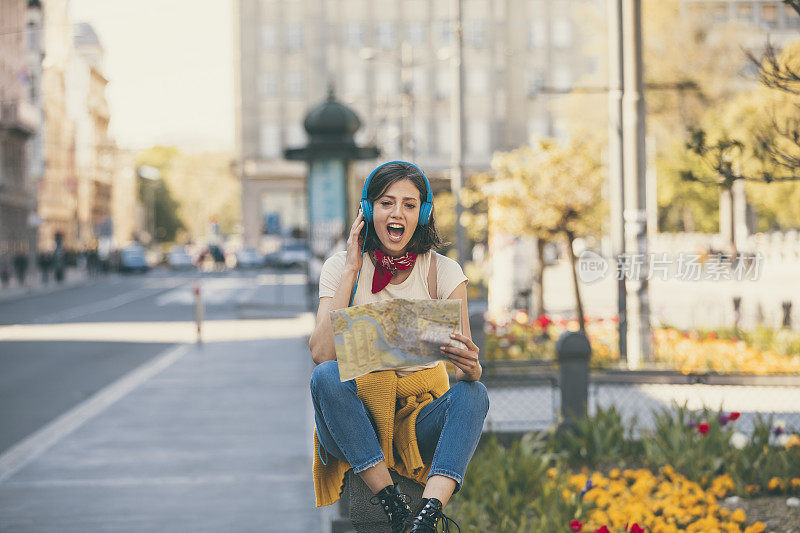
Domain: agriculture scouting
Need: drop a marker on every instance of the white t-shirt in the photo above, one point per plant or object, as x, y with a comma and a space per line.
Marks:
449, 275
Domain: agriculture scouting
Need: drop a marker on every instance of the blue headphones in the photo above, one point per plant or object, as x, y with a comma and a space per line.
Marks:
424, 210
366, 208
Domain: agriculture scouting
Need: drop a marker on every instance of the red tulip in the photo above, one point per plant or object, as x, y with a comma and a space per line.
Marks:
543, 321
734, 415
636, 528
703, 428
575, 525
603, 529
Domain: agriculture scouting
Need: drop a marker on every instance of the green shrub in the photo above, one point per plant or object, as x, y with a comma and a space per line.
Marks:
515, 489
598, 441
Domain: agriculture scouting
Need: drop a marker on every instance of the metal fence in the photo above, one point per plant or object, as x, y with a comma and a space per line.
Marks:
526, 396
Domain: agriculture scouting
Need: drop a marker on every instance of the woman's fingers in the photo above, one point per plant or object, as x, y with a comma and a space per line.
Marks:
466, 340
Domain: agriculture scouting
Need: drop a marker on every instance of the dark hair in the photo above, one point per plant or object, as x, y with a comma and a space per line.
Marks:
425, 237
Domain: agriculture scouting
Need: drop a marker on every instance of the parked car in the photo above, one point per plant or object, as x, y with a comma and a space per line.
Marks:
292, 255
132, 259
249, 257
178, 258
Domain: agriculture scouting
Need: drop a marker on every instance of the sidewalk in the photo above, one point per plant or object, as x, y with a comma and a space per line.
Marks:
73, 277
210, 438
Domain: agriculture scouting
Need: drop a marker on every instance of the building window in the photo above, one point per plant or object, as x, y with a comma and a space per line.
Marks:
355, 83
269, 141
769, 14
386, 81
415, 33
420, 138
444, 33
475, 33
537, 34
477, 81
444, 136
744, 11
294, 37
269, 36
385, 34
296, 83
535, 81
419, 81
33, 37
478, 137
562, 33
296, 134
537, 128
443, 80
268, 85
562, 78
719, 12
354, 34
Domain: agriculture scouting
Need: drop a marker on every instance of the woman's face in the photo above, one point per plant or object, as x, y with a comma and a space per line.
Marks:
395, 216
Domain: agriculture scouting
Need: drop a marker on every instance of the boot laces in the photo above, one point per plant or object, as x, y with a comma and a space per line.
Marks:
393, 506
428, 517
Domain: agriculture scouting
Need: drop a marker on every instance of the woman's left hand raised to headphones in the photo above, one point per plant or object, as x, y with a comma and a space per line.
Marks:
354, 244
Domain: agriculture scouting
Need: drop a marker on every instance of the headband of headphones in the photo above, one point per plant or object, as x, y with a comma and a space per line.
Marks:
424, 210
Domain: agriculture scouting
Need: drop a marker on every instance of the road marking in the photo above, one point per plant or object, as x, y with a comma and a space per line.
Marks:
105, 305
33, 446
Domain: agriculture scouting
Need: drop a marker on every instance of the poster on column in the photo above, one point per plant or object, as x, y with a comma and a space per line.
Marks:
326, 210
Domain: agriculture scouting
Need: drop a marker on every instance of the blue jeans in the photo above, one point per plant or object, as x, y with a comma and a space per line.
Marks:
448, 429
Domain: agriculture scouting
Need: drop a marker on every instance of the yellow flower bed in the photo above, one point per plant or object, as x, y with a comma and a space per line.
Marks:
660, 503
521, 338
719, 355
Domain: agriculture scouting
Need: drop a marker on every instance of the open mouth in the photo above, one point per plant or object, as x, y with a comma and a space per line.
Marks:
395, 232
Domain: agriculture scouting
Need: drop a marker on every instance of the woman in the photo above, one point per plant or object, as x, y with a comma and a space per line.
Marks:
424, 430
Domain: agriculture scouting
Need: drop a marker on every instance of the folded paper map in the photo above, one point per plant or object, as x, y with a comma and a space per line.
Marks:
393, 334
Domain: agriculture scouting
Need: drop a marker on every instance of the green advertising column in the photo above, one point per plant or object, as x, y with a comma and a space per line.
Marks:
329, 153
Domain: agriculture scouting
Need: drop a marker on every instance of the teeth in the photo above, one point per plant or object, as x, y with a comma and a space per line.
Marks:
398, 226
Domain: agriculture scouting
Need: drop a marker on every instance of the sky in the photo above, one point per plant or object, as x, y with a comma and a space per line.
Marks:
170, 69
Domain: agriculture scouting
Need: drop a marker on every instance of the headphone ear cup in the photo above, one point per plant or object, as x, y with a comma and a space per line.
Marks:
366, 208
424, 213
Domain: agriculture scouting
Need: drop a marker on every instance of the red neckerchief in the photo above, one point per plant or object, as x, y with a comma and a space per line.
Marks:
387, 266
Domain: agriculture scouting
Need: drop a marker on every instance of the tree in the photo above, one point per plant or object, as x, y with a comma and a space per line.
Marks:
692, 63
197, 188
756, 139
547, 190
166, 222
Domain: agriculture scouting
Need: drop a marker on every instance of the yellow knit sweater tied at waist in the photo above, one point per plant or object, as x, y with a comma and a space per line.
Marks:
394, 404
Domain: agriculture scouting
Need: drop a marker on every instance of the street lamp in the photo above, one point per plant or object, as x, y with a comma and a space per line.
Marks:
151, 174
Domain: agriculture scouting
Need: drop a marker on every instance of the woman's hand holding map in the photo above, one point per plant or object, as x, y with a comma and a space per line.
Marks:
464, 358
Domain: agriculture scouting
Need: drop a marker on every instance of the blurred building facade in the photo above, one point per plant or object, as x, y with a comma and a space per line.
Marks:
58, 189
88, 109
19, 122
390, 62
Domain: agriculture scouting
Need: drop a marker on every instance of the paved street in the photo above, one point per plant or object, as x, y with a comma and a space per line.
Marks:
112, 418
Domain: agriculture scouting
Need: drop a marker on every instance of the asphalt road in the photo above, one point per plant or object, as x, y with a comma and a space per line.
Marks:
40, 380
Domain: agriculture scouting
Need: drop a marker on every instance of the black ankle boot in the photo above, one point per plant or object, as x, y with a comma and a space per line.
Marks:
395, 504
427, 516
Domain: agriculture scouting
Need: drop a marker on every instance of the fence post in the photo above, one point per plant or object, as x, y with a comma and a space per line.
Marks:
787, 314
573, 351
737, 313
